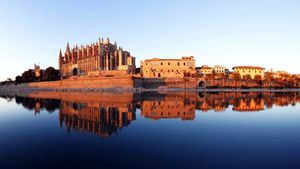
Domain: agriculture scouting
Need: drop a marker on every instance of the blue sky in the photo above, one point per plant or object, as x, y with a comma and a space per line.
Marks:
217, 32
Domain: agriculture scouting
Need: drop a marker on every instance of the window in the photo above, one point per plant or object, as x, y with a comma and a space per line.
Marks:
184, 63
161, 63
178, 63
169, 63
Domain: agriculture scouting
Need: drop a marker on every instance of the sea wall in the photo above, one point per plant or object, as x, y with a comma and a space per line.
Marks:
154, 83
99, 82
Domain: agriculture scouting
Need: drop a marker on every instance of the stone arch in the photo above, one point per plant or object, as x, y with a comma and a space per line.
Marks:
75, 71
201, 83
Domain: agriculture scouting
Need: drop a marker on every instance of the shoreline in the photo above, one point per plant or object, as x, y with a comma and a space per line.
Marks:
23, 89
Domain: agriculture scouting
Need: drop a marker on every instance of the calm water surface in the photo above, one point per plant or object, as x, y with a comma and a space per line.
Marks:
150, 130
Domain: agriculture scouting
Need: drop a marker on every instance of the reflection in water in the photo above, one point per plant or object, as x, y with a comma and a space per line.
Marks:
172, 105
107, 113
103, 120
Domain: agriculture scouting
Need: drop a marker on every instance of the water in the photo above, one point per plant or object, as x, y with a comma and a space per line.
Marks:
150, 130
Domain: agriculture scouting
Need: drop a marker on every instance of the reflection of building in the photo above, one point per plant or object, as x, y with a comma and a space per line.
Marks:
94, 58
171, 106
101, 119
170, 68
252, 71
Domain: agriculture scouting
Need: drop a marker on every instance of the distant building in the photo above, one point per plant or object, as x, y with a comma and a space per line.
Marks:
252, 71
168, 68
205, 70
219, 69
36, 70
227, 71
94, 58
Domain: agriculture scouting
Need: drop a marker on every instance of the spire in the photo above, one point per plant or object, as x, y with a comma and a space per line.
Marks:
116, 45
68, 47
60, 53
60, 60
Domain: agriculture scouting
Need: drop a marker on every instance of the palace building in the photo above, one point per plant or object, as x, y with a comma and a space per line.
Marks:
252, 71
168, 68
95, 59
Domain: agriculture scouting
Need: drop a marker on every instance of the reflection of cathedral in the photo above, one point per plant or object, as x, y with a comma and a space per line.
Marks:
95, 118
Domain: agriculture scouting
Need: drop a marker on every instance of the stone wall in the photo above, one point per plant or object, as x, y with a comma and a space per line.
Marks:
100, 82
154, 83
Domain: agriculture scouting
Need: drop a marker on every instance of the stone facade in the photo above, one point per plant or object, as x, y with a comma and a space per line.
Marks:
168, 68
95, 58
218, 69
249, 70
37, 70
205, 70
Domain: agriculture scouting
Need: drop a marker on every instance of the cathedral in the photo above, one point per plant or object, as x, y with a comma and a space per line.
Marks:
95, 59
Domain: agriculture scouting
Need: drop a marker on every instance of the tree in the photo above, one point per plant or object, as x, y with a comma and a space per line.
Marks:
28, 76
257, 77
247, 77
51, 74
236, 76
269, 76
18, 79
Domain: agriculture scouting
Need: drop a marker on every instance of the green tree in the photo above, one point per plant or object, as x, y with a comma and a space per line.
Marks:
50, 74
18, 79
28, 76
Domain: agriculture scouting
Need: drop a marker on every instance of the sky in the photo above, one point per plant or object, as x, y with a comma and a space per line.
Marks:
216, 32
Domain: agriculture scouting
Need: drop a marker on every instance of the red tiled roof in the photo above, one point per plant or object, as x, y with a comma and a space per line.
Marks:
248, 67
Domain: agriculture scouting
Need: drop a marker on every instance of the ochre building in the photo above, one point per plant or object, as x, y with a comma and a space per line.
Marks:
95, 58
205, 70
168, 68
250, 70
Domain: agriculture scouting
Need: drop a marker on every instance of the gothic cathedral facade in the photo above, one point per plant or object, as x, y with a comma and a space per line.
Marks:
91, 60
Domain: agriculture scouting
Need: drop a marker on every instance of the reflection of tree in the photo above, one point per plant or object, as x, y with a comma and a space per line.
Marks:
31, 103
8, 98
